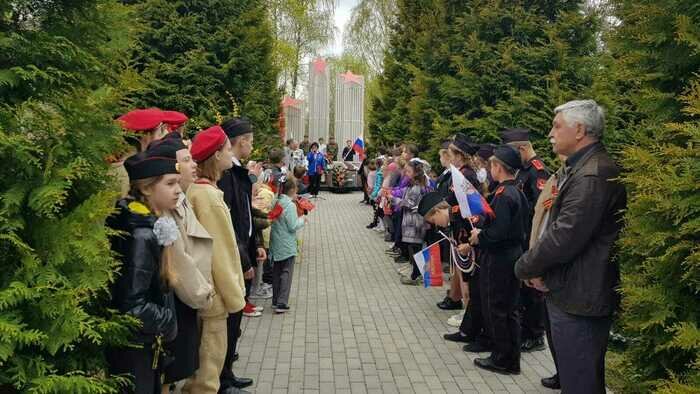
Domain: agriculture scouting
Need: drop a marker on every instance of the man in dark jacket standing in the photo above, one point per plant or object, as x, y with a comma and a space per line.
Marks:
237, 186
571, 261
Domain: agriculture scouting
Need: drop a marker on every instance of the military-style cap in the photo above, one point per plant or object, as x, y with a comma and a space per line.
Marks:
486, 151
465, 144
206, 143
168, 145
515, 135
141, 119
174, 119
428, 202
150, 163
237, 126
509, 156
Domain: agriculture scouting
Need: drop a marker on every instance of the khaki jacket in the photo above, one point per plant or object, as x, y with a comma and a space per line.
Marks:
542, 208
266, 199
192, 253
211, 210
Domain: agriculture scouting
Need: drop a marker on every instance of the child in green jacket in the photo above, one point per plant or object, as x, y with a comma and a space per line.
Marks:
283, 245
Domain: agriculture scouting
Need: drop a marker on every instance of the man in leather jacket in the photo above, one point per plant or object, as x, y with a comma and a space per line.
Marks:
571, 262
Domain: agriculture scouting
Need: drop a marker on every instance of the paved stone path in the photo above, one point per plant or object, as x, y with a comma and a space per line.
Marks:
353, 328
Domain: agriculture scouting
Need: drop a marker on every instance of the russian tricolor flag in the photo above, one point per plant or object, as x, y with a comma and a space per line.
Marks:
470, 201
359, 147
430, 265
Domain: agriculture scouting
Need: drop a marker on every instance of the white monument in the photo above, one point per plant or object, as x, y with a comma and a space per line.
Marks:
293, 118
319, 100
349, 107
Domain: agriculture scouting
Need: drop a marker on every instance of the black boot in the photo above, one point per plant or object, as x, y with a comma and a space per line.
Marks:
551, 382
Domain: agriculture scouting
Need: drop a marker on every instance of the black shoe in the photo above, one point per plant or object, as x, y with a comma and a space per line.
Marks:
532, 345
372, 225
400, 260
457, 337
490, 365
281, 308
477, 347
235, 382
552, 382
448, 304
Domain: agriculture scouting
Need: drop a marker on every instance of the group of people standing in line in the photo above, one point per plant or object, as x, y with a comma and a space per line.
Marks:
195, 231
542, 251
311, 159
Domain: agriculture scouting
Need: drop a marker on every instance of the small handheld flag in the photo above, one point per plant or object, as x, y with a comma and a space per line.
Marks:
359, 147
430, 265
470, 201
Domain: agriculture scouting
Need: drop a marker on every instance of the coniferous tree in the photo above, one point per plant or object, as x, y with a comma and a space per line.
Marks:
62, 77
479, 66
200, 56
656, 48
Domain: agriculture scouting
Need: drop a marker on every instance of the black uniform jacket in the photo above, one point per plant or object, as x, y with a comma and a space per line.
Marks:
573, 254
238, 190
138, 290
504, 235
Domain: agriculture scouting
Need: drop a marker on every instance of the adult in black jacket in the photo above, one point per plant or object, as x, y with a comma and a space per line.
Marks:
141, 290
571, 260
237, 186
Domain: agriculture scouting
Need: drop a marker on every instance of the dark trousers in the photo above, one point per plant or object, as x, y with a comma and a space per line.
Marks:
282, 272
267, 270
581, 343
138, 363
412, 249
533, 313
499, 299
473, 324
396, 219
233, 330
315, 184
550, 341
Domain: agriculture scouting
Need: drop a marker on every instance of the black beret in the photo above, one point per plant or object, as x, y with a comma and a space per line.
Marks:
486, 151
150, 163
465, 144
428, 201
168, 145
515, 135
237, 126
509, 156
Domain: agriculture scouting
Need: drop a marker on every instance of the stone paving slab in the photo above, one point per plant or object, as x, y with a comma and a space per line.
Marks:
353, 328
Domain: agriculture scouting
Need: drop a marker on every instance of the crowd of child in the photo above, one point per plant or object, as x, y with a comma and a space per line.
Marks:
413, 206
198, 232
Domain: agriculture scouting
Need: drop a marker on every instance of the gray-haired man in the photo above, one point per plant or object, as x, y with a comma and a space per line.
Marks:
572, 259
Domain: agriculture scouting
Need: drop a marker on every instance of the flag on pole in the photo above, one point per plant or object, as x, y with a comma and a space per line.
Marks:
430, 265
359, 147
470, 201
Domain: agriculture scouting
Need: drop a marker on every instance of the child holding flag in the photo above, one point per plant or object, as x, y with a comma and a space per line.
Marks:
412, 224
283, 245
502, 242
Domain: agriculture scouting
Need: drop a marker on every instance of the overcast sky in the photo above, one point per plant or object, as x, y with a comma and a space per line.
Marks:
342, 15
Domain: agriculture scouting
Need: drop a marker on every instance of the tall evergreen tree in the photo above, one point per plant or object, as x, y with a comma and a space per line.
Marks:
62, 77
656, 47
479, 66
199, 56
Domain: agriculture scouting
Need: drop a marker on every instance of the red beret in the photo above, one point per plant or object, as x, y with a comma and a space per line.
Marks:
207, 142
142, 119
174, 119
